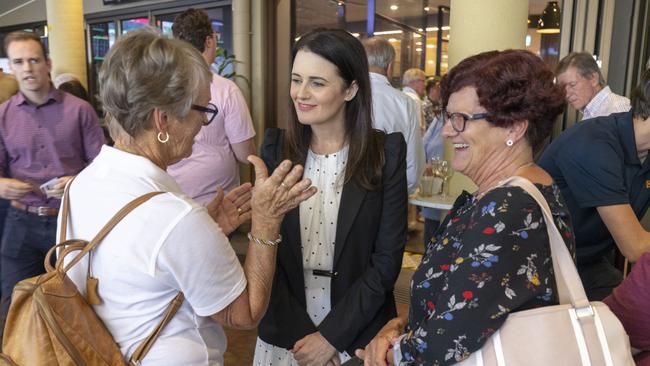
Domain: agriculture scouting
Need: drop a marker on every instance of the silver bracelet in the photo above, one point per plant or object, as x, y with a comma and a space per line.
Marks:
270, 243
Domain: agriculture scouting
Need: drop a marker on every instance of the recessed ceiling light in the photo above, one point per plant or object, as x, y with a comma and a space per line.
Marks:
393, 7
426, 8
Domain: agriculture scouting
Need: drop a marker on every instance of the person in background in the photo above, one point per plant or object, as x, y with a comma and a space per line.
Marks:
434, 147
630, 301
71, 84
392, 110
586, 90
228, 141
8, 88
601, 166
46, 137
432, 107
493, 255
333, 288
156, 92
413, 83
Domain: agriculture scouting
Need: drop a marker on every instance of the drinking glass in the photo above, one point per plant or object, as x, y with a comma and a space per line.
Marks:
446, 172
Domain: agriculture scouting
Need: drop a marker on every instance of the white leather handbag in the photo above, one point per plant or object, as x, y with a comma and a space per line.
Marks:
575, 332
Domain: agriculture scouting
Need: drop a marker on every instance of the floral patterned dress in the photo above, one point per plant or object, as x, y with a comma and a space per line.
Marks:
490, 257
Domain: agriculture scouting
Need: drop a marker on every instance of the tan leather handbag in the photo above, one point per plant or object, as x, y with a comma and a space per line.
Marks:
51, 323
575, 332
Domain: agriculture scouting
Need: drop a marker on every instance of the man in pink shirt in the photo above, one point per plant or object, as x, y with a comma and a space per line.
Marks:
228, 140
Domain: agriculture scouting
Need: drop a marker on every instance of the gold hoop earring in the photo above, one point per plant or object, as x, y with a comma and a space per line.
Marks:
161, 139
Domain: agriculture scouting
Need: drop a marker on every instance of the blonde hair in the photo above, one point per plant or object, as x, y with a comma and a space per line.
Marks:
412, 75
145, 70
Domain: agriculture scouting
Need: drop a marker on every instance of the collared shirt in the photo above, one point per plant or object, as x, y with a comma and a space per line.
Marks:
412, 93
394, 111
605, 103
596, 164
166, 245
213, 162
54, 139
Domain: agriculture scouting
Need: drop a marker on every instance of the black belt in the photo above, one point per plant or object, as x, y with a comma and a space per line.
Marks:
323, 273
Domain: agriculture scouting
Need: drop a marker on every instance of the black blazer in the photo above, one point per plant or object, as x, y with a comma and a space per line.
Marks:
370, 239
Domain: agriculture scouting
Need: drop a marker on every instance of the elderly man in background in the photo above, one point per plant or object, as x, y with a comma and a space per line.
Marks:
602, 169
46, 137
586, 89
228, 140
392, 110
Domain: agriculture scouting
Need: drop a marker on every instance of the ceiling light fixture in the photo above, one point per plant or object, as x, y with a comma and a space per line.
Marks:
549, 22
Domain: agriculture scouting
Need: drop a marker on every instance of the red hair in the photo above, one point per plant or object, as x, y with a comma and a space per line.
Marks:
512, 85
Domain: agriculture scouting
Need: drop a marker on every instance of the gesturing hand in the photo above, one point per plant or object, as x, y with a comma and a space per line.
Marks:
315, 350
233, 209
273, 196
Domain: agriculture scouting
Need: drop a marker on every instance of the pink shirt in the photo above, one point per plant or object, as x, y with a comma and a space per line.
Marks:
213, 162
630, 301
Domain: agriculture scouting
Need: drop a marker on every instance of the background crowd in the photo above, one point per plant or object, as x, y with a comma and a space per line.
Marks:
328, 209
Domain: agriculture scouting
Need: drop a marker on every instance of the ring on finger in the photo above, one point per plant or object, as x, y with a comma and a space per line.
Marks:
284, 185
239, 210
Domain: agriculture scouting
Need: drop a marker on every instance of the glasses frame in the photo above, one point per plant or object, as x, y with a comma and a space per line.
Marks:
213, 111
466, 117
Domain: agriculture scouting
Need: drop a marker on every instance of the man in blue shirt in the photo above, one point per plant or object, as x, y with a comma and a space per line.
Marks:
601, 168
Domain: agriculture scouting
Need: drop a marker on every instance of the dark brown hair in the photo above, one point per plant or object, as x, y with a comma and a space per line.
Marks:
640, 98
19, 36
193, 26
365, 154
75, 88
512, 85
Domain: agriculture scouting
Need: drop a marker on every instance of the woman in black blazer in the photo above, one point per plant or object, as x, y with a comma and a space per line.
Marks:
342, 250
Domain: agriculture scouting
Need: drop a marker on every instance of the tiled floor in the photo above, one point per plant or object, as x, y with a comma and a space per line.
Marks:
241, 343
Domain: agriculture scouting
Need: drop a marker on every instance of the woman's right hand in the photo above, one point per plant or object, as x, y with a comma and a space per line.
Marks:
275, 195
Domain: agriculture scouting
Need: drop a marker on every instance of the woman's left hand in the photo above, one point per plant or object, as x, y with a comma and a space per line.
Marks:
314, 350
233, 209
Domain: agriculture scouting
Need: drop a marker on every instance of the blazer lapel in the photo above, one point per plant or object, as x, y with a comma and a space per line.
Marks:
351, 200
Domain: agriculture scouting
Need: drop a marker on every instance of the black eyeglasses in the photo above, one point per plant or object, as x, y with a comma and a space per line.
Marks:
459, 120
210, 111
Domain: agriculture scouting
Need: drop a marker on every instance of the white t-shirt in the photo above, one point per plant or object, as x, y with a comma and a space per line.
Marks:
166, 245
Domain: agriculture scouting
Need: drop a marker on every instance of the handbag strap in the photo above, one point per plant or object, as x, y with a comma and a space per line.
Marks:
109, 226
568, 283
145, 346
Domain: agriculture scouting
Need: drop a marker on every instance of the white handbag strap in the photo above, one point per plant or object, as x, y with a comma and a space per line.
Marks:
567, 280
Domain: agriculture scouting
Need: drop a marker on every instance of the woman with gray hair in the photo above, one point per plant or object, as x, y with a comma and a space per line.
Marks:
155, 92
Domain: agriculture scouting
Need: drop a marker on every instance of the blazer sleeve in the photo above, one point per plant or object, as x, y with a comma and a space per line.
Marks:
368, 294
286, 319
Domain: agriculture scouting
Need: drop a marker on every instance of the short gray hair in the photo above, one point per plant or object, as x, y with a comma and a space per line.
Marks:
379, 51
584, 62
145, 70
412, 75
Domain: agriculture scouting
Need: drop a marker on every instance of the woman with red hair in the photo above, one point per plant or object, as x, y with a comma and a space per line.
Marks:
491, 255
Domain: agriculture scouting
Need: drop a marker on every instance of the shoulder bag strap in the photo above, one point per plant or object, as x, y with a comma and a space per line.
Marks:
145, 346
109, 226
567, 280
